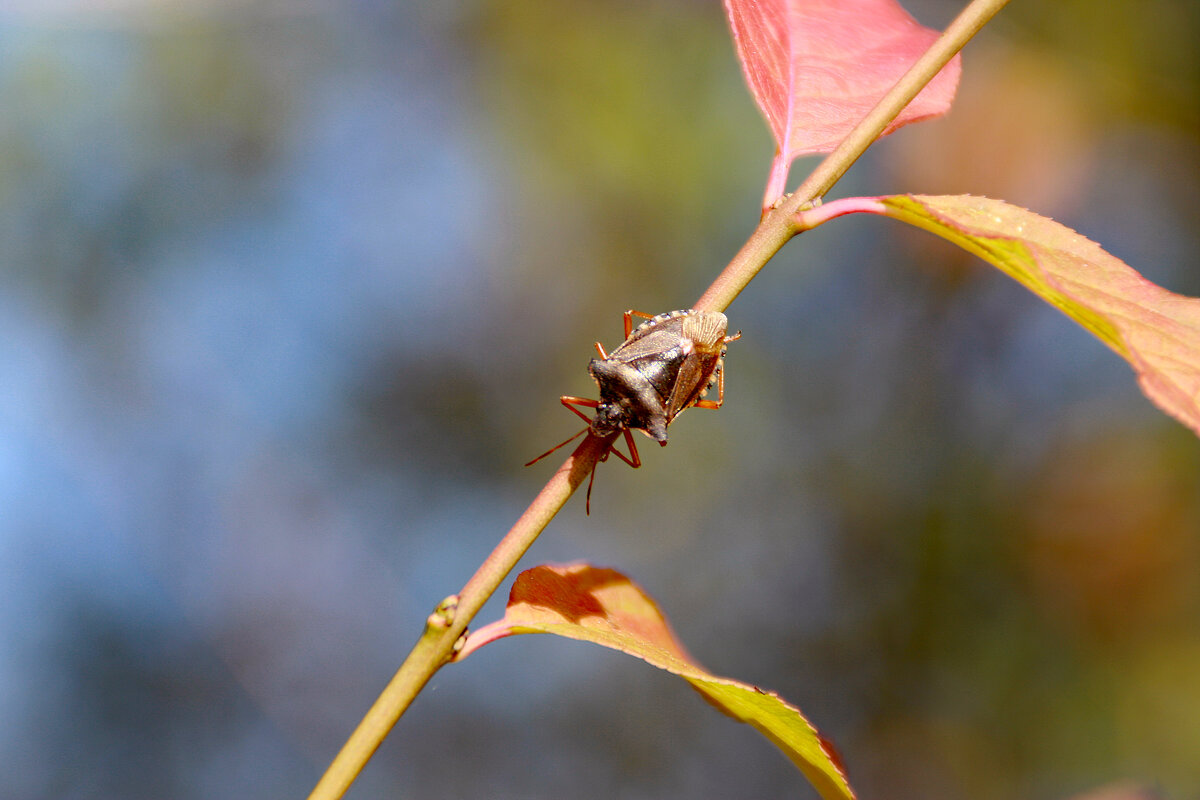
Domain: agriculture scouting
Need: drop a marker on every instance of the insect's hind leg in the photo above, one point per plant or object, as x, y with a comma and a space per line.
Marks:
629, 315
628, 319
715, 404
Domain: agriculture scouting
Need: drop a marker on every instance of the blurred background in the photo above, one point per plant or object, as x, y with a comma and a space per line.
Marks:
289, 290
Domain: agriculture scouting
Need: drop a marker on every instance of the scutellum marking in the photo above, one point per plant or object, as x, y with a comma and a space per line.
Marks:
665, 366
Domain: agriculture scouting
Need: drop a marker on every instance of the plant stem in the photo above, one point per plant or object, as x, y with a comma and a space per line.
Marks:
957, 34
772, 233
446, 626
778, 220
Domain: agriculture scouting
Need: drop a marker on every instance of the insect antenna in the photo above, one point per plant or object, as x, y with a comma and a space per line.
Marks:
552, 449
587, 506
591, 478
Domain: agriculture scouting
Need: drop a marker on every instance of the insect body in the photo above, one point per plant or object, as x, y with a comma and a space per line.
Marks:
665, 366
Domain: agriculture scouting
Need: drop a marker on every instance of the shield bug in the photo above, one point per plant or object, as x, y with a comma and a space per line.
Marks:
665, 366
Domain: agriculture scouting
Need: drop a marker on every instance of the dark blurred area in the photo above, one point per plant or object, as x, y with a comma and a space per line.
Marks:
289, 290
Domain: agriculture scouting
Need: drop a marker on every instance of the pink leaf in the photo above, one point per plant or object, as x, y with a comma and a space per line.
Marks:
816, 67
604, 607
1156, 330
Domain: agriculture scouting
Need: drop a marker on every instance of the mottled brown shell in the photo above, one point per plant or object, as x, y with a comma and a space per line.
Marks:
664, 367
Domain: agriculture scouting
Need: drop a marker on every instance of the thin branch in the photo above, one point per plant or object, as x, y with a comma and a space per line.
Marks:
449, 622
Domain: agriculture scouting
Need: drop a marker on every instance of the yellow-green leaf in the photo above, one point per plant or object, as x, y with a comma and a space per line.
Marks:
1156, 330
603, 606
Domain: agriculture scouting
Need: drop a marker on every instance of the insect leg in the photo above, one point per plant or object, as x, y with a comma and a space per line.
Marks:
612, 448
720, 390
570, 403
634, 460
629, 315
720, 379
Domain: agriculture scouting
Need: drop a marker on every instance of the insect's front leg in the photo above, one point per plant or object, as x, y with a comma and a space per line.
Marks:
634, 460
571, 403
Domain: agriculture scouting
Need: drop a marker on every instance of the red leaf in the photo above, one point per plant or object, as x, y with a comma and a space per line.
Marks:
603, 606
816, 67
